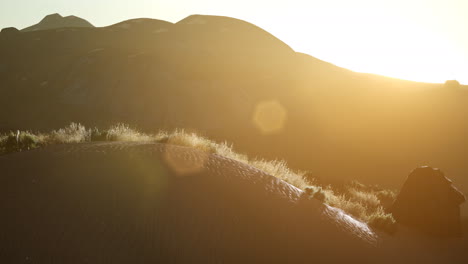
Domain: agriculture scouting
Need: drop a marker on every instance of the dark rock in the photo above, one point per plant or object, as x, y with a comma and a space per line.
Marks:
453, 84
428, 203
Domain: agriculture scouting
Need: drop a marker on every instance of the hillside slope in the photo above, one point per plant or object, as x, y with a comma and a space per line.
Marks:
211, 73
145, 202
141, 202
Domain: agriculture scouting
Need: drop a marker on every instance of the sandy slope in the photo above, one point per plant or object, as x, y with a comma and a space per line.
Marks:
148, 202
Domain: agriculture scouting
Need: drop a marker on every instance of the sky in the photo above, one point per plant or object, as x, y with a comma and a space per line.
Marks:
420, 40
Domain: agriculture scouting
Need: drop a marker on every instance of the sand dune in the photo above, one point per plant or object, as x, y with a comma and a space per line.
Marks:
117, 202
144, 202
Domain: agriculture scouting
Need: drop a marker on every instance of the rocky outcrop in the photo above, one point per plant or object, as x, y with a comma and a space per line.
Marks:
452, 84
429, 203
57, 21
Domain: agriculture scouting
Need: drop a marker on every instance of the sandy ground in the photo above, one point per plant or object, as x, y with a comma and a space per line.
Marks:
155, 203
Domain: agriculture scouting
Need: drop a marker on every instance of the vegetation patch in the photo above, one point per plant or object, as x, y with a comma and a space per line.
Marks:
123, 132
384, 222
315, 192
74, 133
19, 141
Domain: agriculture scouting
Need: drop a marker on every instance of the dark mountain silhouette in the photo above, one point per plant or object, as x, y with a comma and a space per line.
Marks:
54, 21
209, 74
10, 31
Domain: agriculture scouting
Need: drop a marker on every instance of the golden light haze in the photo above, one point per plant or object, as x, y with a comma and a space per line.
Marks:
416, 40
421, 40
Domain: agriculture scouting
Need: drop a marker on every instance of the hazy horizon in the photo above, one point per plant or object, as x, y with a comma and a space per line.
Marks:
413, 40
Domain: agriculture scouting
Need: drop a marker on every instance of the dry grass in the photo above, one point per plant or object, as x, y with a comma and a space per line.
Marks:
315, 192
226, 150
182, 138
279, 169
123, 132
19, 141
360, 201
74, 133
353, 208
367, 199
366, 203
383, 221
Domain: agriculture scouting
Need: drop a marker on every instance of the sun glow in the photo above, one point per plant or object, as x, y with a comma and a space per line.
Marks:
420, 40
403, 43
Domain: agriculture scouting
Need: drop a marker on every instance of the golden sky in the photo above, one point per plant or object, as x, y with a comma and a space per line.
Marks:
421, 40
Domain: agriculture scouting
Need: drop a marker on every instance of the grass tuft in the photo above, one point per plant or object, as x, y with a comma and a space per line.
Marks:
74, 133
18, 141
384, 222
123, 132
279, 169
367, 199
98, 135
315, 192
186, 139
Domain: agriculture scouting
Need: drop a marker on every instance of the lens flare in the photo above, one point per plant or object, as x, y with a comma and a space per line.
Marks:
184, 163
270, 117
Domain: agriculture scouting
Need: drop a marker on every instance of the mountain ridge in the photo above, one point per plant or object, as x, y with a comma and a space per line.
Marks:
54, 21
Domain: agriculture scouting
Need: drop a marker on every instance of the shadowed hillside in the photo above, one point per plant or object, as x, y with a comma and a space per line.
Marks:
212, 75
145, 202
369, 204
